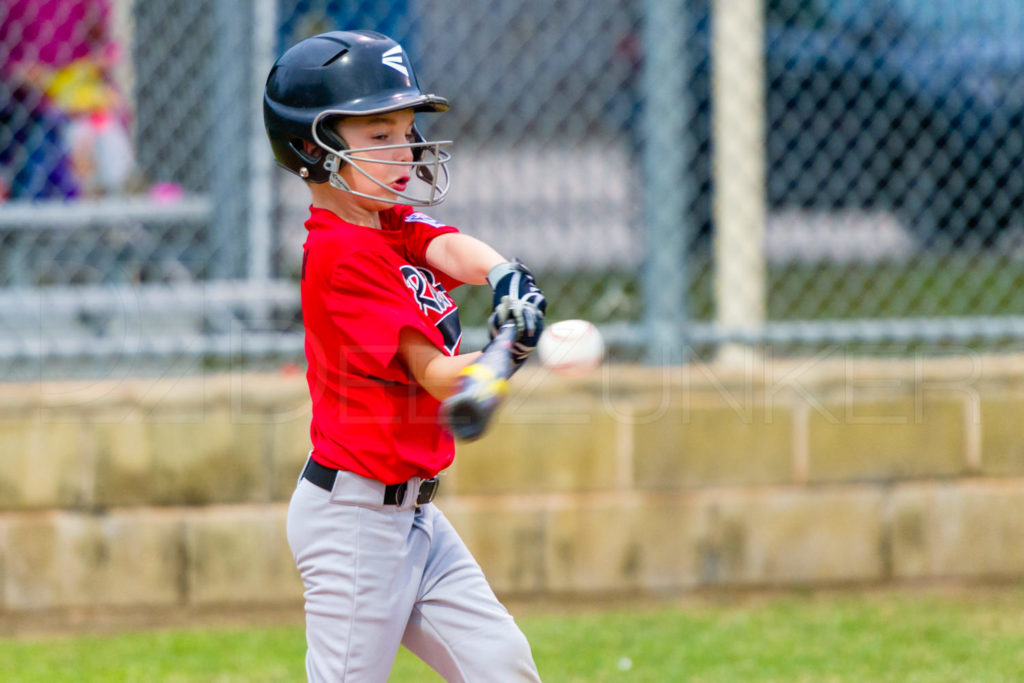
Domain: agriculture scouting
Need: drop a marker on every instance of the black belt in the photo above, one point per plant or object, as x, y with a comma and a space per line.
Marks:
394, 494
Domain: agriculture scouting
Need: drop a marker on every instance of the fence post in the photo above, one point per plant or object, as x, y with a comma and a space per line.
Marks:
667, 186
228, 149
261, 188
738, 168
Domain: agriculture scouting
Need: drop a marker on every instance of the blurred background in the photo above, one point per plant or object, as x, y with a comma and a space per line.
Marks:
696, 177
798, 223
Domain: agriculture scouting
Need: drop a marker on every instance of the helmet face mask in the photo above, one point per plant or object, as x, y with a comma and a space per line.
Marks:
429, 162
341, 74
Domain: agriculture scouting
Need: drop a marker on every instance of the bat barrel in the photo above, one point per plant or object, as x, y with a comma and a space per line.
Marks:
481, 387
466, 418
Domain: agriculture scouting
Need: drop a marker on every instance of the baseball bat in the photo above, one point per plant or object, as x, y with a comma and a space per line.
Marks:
481, 387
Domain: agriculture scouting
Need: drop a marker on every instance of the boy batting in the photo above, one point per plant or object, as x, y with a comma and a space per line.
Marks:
382, 566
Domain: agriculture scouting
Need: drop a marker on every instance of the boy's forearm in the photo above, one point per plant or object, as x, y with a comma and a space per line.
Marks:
463, 257
433, 370
440, 376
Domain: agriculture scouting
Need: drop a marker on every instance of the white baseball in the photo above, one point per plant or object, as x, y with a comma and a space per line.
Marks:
571, 348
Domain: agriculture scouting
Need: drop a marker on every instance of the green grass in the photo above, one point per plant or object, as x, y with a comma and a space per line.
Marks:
845, 637
931, 285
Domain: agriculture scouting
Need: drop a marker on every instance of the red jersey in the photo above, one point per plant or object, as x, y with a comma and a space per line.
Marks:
360, 288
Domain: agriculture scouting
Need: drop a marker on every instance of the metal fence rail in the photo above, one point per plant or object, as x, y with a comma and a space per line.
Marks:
852, 176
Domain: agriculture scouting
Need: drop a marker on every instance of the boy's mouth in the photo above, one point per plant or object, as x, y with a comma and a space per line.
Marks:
401, 183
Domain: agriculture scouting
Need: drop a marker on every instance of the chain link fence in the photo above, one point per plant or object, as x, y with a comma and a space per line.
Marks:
692, 175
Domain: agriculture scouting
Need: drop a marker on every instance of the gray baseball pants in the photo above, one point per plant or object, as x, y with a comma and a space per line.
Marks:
377, 576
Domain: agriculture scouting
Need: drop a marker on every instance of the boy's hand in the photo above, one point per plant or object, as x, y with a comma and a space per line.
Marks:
517, 297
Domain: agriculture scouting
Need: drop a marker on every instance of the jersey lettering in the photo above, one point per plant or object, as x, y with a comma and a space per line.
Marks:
434, 301
430, 295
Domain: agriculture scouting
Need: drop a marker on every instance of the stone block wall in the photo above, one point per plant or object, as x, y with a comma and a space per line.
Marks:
170, 494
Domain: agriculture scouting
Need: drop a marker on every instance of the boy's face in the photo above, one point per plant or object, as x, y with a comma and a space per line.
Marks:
378, 130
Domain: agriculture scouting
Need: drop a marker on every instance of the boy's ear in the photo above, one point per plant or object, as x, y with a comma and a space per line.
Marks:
312, 149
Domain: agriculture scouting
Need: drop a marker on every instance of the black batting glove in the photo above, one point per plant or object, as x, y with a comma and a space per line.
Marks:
517, 297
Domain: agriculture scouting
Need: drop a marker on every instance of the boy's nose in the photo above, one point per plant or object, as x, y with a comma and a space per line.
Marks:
405, 153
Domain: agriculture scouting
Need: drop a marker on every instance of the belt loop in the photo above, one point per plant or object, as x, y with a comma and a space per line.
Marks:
394, 494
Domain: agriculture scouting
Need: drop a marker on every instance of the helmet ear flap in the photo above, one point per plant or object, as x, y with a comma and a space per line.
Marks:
325, 131
320, 160
299, 147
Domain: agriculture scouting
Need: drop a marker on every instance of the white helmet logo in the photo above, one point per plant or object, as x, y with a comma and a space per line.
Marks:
394, 59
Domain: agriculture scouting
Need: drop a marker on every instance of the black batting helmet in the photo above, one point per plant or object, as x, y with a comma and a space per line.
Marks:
336, 74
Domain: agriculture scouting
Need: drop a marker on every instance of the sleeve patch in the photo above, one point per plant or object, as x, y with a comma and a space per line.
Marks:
419, 217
